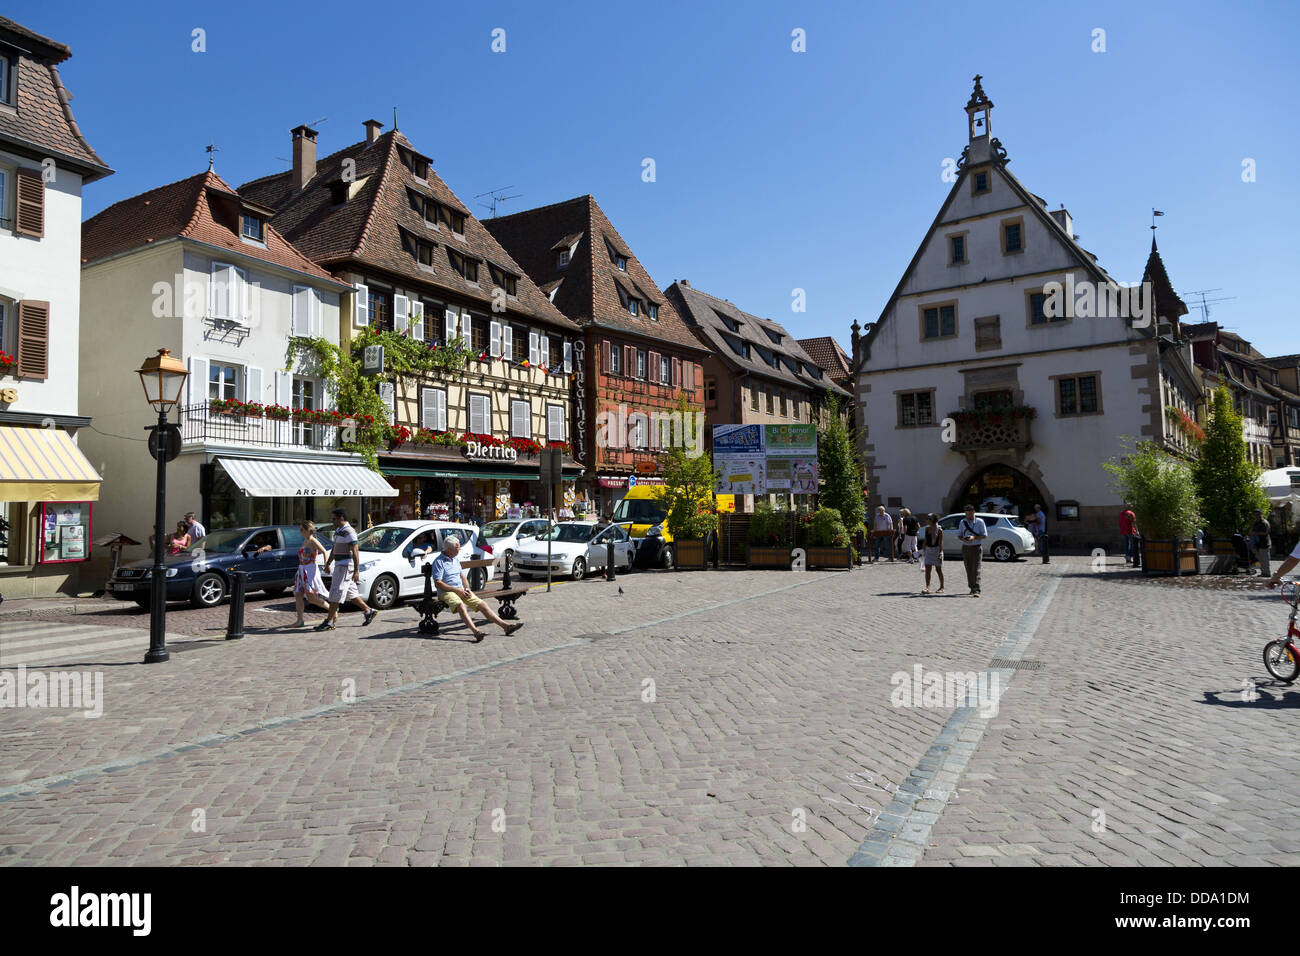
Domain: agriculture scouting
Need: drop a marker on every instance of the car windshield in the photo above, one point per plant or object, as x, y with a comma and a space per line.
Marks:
1014, 522
639, 511
572, 533
500, 529
383, 539
220, 542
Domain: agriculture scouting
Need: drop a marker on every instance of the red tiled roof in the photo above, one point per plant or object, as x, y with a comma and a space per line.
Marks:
588, 291
43, 115
367, 228
186, 209
826, 352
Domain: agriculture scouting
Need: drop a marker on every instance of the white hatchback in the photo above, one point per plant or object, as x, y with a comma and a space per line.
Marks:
504, 536
1007, 537
390, 570
576, 548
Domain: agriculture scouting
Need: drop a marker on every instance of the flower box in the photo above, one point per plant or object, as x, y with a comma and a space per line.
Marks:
1162, 556
761, 556
278, 413
690, 554
827, 556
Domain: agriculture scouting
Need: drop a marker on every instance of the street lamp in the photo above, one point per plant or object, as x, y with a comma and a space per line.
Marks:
162, 377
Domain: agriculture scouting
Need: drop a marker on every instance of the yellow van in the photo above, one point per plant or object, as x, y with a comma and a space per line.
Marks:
643, 517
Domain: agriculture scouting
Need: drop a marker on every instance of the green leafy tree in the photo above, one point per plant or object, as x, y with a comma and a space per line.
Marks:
840, 468
1226, 479
1160, 489
686, 495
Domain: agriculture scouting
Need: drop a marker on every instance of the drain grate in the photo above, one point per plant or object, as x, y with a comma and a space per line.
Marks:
1001, 663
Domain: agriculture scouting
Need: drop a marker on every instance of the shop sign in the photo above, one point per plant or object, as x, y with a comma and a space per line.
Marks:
646, 467
327, 493
476, 451
579, 401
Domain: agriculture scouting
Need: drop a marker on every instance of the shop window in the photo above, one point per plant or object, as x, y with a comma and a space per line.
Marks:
1067, 511
10, 524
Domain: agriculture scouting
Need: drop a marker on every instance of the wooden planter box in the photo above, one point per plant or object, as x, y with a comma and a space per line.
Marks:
691, 554
760, 557
825, 556
1223, 556
1168, 556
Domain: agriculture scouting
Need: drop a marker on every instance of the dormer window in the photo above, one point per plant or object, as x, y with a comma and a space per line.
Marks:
634, 306
654, 312
774, 336
422, 251
563, 259
503, 280
418, 165
621, 262
338, 193
8, 76
254, 228
463, 266
454, 221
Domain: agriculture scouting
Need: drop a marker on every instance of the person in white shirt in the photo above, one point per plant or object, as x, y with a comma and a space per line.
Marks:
192, 525
971, 531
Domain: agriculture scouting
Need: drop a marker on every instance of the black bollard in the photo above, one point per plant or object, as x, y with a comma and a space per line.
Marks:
510, 566
235, 626
609, 560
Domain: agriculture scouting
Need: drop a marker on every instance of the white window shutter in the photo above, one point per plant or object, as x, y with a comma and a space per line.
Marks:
241, 296
452, 319
568, 357
441, 403
388, 395
317, 322
508, 342
477, 415
494, 339
300, 311
401, 306
417, 320
220, 291
283, 388
197, 383
532, 348
361, 314
555, 423
252, 383
428, 408
465, 329
519, 420
544, 350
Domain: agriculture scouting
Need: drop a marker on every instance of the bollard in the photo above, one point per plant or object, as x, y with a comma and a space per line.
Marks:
609, 560
238, 585
510, 566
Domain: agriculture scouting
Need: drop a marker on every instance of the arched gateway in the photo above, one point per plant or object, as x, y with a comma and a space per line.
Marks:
999, 488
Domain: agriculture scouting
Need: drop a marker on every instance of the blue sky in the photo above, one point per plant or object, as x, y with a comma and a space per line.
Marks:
775, 170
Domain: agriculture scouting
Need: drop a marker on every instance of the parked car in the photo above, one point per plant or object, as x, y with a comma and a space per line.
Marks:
1007, 538
389, 570
202, 574
576, 548
504, 536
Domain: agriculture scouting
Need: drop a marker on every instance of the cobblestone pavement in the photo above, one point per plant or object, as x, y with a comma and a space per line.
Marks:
720, 717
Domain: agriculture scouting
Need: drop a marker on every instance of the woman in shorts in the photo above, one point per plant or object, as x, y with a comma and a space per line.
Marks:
307, 585
932, 556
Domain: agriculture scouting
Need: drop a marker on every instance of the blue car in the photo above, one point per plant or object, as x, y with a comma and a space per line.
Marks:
201, 574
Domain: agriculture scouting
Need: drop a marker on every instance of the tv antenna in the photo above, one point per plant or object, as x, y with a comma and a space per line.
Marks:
1206, 302
496, 200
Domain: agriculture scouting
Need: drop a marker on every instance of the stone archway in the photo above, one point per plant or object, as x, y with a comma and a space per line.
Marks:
995, 485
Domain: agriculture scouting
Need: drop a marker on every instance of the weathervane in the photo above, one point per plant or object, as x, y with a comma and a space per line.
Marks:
1154, 213
210, 149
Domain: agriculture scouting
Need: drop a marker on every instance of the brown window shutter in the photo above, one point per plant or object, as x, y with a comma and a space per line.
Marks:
652, 373
30, 217
33, 339
604, 355
677, 372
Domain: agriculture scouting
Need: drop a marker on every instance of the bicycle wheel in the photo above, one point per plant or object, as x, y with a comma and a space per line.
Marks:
1280, 659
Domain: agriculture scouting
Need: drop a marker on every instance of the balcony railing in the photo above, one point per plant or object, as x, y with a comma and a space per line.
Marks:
200, 424
988, 434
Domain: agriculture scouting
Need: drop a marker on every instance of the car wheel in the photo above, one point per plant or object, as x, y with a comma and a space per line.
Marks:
383, 593
579, 569
477, 578
1002, 551
666, 558
209, 590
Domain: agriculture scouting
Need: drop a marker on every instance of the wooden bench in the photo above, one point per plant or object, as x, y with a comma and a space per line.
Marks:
432, 604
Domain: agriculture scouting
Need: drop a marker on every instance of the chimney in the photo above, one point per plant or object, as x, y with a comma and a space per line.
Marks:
1062, 217
686, 282
373, 126
304, 156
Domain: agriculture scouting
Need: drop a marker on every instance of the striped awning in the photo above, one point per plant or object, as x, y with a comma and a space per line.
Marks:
43, 464
262, 478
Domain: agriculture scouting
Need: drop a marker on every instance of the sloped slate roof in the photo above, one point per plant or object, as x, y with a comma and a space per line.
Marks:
43, 115
706, 314
588, 291
186, 209
367, 228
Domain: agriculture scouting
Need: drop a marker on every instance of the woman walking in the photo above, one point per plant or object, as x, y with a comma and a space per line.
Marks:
932, 556
177, 541
307, 585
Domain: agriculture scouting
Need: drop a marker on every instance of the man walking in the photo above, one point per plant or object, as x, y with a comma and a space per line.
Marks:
344, 585
1128, 527
971, 531
192, 525
1040, 532
447, 580
882, 529
1261, 538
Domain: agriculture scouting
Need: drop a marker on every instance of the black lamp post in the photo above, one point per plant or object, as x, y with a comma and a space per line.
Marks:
163, 377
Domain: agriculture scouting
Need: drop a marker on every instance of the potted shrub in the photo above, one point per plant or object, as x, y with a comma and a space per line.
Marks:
769, 537
278, 413
828, 541
1160, 489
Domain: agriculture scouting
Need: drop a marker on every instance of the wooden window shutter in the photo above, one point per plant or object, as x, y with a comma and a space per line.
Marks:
604, 355
652, 373
677, 372
30, 217
33, 339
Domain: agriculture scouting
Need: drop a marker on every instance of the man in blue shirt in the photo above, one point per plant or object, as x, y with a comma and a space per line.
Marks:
971, 532
449, 584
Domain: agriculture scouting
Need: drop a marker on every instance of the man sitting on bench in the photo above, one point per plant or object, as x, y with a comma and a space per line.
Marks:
447, 581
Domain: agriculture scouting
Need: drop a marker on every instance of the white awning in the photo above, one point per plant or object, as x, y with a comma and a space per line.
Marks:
260, 478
